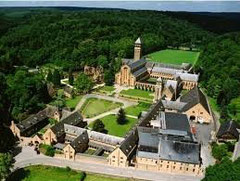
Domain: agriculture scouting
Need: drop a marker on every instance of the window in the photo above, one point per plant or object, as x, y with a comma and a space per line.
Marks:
160, 165
113, 156
193, 170
180, 168
167, 166
193, 112
174, 167
186, 169
201, 112
113, 160
121, 158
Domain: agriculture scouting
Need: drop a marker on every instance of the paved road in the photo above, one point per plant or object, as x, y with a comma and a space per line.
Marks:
29, 157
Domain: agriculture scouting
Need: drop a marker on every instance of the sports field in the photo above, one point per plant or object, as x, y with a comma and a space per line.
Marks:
174, 56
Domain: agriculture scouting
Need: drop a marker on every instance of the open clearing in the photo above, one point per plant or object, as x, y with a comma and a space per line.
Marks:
174, 56
47, 173
137, 109
93, 107
114, 128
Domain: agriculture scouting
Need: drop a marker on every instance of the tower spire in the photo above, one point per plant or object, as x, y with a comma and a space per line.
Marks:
137, 49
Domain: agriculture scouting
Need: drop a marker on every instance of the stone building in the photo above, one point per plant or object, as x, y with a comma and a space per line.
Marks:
135, 72
194, 104
228, 131
26, 129
95, 72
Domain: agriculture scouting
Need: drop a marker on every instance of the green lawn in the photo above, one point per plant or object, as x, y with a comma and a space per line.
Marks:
93, 107
72, 103
114, 128
107, 88
137, 94
47, 173
174, 56
135, 110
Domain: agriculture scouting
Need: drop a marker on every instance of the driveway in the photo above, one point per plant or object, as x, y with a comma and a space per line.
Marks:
29, 157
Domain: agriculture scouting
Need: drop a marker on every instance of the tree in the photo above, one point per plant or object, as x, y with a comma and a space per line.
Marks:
50, 76
6, 163
219, 151
83, 83
102, 61
99, 126
70, 77
56, 79
121, 117
109, 77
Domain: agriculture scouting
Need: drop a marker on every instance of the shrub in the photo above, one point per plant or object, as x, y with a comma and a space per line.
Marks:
47, 150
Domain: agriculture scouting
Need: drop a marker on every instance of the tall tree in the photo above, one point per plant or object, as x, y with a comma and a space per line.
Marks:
70, 77
6, 163
99, 126
121, 117
83, 83
50, 76
56, 78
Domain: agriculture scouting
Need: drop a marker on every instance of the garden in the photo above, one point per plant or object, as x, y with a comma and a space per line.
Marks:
137, 94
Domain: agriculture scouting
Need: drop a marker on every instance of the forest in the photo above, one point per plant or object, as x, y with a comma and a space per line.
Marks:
74, 38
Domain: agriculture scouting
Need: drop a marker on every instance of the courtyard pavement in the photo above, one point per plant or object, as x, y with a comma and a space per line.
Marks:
29, 157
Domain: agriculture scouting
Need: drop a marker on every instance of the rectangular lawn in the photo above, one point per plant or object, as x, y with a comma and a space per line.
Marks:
174, 56
93, 107
114, 128
137, 94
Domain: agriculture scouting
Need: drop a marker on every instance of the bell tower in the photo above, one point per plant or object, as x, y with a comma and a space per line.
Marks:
137, 49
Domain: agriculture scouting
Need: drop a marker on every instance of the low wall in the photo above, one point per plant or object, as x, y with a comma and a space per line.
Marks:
90, 158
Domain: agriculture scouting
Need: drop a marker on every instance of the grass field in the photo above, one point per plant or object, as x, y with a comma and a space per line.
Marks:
174, 56
114, 128
93, 107
135, 110
47, 173
137, 94
72, 103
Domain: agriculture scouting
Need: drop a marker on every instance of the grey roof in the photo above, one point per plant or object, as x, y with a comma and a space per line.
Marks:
137, 64
174, 105
176, 121
127, 61
59, 146
229, 127
73, 130
138, 41
140, 72
82, 139
99, 145
104, 138
129, 143
187, 76
157, 146
165, 70
179, 151
172, 83
193, 97
73, 119
32, 121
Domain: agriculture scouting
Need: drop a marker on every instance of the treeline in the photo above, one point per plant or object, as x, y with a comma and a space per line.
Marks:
76, 38
219, 64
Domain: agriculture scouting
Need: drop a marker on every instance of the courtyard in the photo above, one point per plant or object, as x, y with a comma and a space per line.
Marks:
115, 129
94, 106
137, 94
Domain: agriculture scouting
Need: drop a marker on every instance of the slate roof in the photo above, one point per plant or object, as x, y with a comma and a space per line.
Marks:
129, 143
157, 146
179, 151
140, 72
229, 127
32, 121
73, 119
187, 76
194, 97
136, 64
81, 139
174, 105
177, 121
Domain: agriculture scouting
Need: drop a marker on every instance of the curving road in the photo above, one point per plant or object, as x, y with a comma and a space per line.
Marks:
29, 157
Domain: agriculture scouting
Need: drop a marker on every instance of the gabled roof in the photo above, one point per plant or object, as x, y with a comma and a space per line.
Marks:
137, 64
194, 97
73, 119
229, 127
129, 143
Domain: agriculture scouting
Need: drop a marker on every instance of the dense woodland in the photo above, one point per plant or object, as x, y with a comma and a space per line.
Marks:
73, 38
